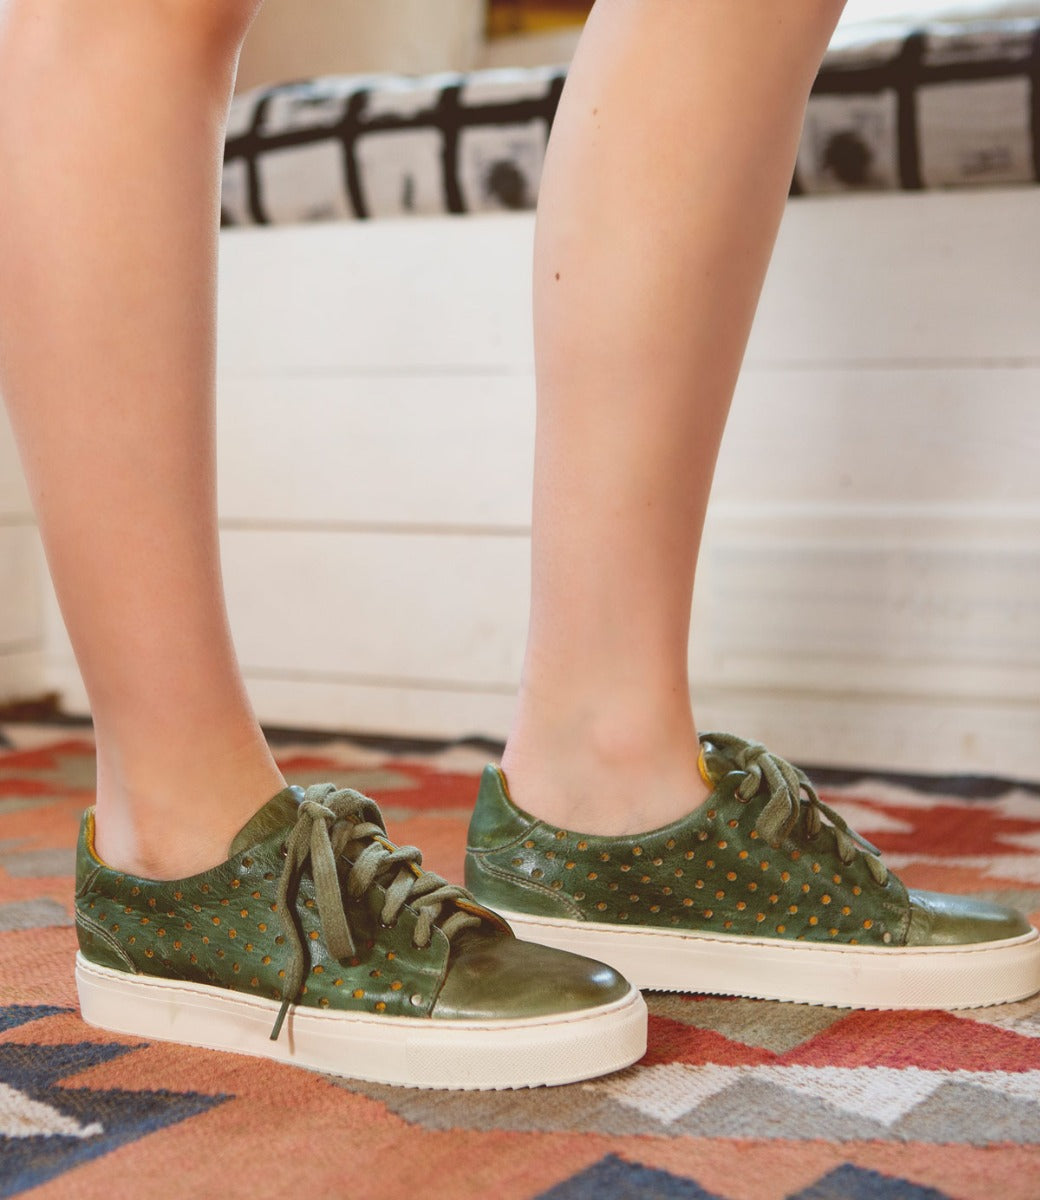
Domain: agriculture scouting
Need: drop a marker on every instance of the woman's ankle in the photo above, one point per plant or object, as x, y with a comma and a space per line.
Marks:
161, 819
604, 772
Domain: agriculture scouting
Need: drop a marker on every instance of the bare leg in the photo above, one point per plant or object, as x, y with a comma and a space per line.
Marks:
111, 128
666, 178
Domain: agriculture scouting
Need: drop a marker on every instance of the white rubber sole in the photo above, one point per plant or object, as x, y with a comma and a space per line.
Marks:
841, 976
410, 1051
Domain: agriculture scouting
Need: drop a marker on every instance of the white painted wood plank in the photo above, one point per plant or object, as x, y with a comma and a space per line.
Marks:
947, 276
930, 734
377, 450
22, 675
852, 637
894, 733
322, 696
884, 733
909, 733
868, 603
857, 605
870, 574
457, 451
21, 620
936, 276
380, 708
14, 496
786, 603
878, 436
20, 625
58, 659
447, 609
404, 294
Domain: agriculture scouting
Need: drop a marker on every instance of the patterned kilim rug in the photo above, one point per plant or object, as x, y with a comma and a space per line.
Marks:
736, 1100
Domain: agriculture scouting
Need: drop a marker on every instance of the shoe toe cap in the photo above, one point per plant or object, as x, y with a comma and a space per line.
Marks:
506, 978
937, 919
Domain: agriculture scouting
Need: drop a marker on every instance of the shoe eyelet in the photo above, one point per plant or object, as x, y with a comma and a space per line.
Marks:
283, 850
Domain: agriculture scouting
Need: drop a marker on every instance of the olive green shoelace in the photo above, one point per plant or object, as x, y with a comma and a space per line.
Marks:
791, 794
328, 823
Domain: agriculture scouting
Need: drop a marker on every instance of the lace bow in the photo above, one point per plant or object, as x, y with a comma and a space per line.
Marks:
330, 821
791, 794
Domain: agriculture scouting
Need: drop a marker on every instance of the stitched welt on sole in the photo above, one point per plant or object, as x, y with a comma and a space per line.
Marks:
842, 976
411, 1052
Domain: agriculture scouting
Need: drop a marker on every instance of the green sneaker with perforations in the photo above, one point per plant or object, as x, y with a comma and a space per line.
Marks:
322, 943
762, 891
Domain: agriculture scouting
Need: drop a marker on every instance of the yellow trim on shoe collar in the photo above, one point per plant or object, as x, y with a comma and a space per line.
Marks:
702, 766
90, 839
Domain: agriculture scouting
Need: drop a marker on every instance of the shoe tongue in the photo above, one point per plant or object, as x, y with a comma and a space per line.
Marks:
275, 815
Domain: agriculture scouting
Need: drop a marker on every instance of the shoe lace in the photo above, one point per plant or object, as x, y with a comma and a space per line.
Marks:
790, 795
333, 825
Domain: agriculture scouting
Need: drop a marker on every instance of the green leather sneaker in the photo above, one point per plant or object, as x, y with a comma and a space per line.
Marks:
762, 891
320, 942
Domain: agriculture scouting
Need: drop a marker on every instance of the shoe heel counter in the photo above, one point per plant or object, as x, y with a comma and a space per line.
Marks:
95, 942
492, 824
496, 820
87, 861
497, 825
